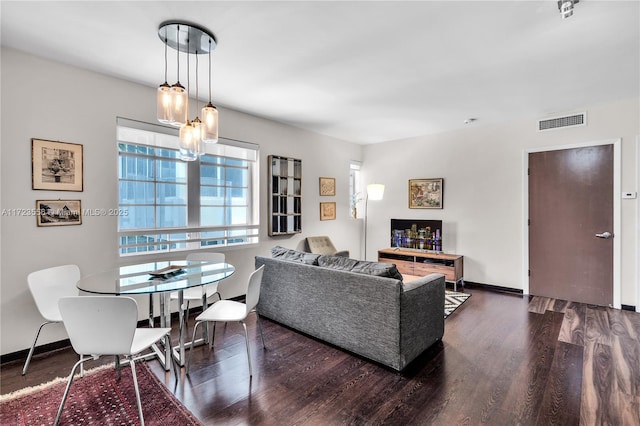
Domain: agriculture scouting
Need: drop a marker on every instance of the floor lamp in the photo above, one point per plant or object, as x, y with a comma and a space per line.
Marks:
375, 191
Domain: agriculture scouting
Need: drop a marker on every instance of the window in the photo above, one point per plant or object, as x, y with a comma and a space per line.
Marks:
355, 193
171, 205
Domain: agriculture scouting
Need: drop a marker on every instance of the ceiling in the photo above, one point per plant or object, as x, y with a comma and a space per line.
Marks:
361, 71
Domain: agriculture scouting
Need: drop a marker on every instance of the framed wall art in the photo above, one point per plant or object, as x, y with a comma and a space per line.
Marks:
327, 186
56, 166
425, 193
58, 212
328, 211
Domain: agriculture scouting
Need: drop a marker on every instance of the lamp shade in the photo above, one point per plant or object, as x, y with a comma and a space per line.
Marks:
164, 103
375, 191
210, 123
190, 148
179, 105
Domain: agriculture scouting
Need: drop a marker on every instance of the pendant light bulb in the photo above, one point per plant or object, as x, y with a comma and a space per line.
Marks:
189, 145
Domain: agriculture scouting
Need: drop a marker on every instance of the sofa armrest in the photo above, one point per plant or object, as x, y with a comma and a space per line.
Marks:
419, 282
422, 314
342, 253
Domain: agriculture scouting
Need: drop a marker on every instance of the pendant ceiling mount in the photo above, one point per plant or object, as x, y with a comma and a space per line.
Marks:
187, 37
172, 101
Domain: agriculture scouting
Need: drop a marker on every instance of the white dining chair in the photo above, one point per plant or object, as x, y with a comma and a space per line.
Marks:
196, 293
47, 286
106, 325
230, 310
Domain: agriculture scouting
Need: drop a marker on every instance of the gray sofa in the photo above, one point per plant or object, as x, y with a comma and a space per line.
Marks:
363, 307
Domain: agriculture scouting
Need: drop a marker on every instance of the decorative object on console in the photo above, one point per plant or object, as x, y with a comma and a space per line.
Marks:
566, 8
56, 166
328, 211
425, 193
173, 101
58, 212
375, 192
285, 195
327, 186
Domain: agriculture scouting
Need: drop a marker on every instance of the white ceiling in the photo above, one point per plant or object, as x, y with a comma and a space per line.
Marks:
361, 71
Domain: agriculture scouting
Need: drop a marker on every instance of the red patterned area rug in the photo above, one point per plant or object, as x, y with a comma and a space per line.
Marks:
98, 398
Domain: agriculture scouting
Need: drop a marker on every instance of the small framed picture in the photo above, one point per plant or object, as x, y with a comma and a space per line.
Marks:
328, 211
327, 186
56, 166
58, 212
425, 193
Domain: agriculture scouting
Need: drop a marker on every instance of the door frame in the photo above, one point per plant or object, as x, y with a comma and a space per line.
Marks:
617, 283
638, 228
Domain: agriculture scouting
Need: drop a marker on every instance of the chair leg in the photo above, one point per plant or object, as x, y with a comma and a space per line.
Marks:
195, 328
33, 347
66, 391
186, 317
135, 385
260, 328
246, 337
118, 369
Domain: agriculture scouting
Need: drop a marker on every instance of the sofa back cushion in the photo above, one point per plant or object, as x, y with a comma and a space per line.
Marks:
283, 253
379, 269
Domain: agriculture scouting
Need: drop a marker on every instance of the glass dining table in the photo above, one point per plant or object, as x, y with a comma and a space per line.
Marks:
163, 278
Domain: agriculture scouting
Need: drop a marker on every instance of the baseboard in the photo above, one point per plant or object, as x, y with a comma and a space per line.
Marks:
22, 355
471, 284
497, 288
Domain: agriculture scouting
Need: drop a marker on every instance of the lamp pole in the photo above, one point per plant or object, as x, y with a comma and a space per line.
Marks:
375, 191
366, 213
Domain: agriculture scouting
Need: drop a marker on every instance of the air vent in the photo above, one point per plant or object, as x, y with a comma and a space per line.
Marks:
560, 122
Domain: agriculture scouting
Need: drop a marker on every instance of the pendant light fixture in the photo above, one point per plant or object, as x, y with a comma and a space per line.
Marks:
210, 116
191, 39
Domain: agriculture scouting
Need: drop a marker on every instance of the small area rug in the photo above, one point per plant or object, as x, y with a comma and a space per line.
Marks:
98, 398
453, 300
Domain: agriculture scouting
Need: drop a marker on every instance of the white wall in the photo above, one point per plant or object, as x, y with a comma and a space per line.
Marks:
48, 100
482, 167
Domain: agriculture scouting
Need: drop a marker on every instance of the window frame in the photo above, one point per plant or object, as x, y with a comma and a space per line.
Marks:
193, 236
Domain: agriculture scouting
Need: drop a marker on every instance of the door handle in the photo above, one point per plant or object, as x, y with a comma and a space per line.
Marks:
605, 235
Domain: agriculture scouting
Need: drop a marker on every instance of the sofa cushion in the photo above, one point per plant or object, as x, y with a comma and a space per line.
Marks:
283, 253
379, 269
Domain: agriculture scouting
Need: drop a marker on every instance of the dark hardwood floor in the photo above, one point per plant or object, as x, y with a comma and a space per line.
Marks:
503, 361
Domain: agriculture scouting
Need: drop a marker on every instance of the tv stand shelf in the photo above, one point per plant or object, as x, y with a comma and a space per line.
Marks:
420, 263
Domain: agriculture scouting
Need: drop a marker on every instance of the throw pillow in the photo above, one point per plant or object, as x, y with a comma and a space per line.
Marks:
283, 253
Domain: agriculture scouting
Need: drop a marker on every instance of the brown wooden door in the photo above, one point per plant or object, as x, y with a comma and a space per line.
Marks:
570, 201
